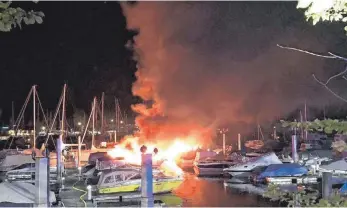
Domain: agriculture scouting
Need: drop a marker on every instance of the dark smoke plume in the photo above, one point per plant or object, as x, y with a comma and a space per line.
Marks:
211, 64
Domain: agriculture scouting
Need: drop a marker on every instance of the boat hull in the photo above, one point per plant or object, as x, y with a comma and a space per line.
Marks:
158, 187
208, 171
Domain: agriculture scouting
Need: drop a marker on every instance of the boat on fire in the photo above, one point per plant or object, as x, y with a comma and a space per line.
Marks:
129, 180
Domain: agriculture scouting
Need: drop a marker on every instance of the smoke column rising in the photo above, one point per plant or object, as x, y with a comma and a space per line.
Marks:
209, 64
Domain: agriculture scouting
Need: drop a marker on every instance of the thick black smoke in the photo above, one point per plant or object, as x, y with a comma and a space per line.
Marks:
217, 63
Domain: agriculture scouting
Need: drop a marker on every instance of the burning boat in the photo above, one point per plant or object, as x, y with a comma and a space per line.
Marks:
129, 180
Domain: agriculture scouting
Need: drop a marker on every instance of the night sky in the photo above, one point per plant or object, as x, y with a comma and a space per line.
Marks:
79, 43
83, 44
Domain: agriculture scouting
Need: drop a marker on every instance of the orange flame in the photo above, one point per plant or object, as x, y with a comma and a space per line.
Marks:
166, 157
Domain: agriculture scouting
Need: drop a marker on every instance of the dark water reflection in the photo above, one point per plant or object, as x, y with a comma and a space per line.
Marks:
199, 192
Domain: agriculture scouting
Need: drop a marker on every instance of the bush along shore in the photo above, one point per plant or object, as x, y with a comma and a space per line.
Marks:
304, 197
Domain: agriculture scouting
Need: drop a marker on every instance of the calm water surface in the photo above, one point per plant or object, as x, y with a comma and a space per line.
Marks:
202, 192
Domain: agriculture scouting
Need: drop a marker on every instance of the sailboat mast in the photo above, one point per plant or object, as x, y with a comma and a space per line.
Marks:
12, 115
102, 112
302, 129
34, 114
93, 132
63, 114
258, 132
117, 115
305, 120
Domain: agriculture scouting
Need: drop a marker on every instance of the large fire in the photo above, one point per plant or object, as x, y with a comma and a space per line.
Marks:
165, 158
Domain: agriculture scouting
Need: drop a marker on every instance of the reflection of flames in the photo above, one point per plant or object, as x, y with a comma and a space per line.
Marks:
166, 157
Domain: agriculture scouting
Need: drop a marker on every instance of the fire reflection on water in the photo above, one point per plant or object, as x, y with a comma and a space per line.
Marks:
200, 192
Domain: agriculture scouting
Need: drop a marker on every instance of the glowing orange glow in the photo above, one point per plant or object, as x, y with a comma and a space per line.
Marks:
166, 157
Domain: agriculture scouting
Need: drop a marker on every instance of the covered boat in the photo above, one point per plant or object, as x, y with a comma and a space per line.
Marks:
281, 170
336, 167
248, 166
129, 180
20, 193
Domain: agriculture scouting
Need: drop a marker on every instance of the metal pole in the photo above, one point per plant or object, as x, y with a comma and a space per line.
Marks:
294, 148
41, 183
89, 192
34, 114
224, 143
102, 112
115, 136
275, 133
12, 115
79, 153
63, 114
59, 163
147, 199
93, 133
239, 141
327, 184
48, 175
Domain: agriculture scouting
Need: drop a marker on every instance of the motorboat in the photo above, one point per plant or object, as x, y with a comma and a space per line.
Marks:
26, 173
214, 166
211, 167
251, 163
21, 194
279, 170
338, 167
129, 180
15, 160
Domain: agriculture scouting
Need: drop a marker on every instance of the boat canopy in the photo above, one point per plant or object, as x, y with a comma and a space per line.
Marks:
19, 192
96, 155
12, 161
283, 170
337, 165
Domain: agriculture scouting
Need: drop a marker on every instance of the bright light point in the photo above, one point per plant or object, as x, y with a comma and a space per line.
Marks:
43, 128
121, 122
111, 120
79, 123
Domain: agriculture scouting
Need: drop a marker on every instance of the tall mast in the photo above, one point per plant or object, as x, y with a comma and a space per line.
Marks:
305, 120
302, 129
34, 114
93, 132
12, 122
258, 130
102, 112
63, 114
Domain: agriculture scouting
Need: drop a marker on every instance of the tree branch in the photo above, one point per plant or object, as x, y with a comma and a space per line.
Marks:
331, 56
325, 85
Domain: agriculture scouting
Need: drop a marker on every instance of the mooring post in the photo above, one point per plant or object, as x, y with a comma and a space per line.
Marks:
239, 141
79, 155
41, 182
327, 186
59, 160
48, 175
89, 192
294, 148
147, 199
224, 152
